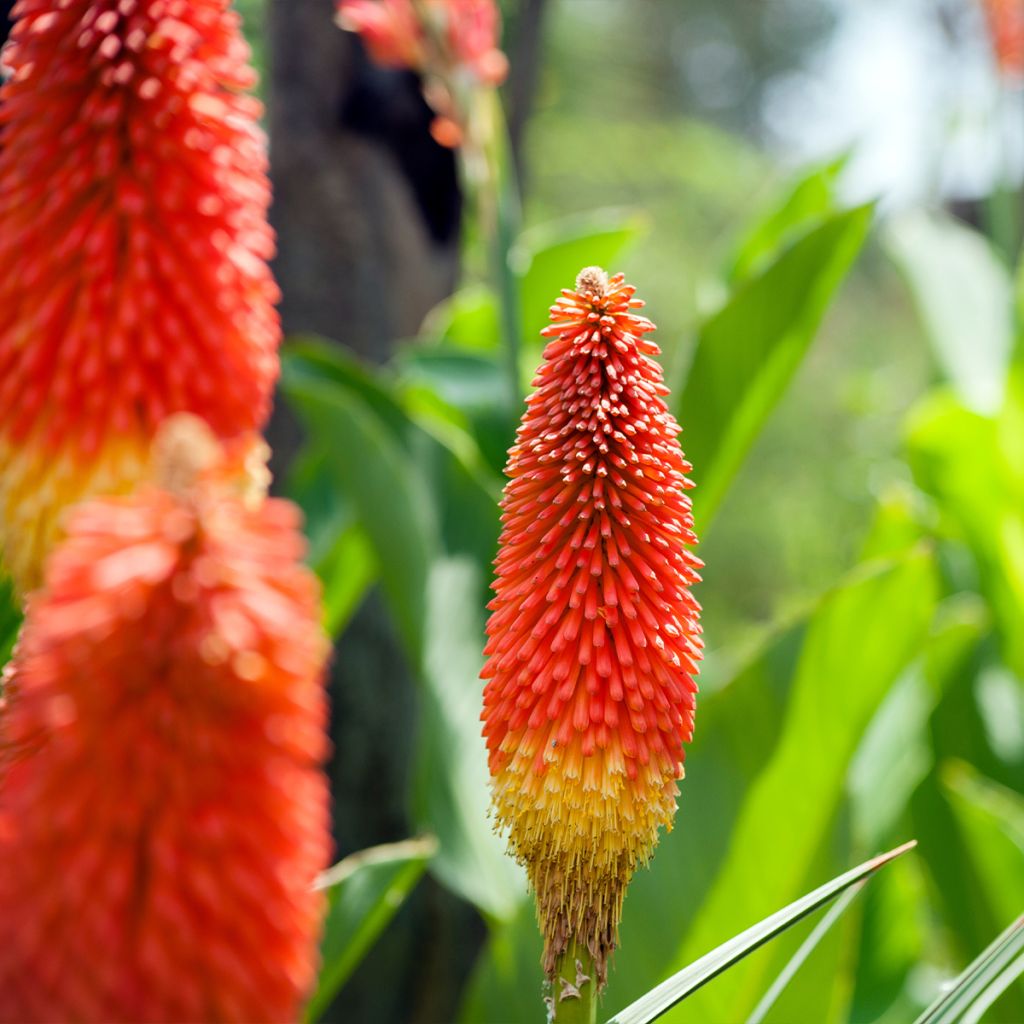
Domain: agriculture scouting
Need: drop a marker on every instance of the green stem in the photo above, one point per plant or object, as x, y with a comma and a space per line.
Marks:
575, 974
489, 171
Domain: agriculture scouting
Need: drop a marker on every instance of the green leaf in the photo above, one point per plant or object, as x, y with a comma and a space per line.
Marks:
891, 946
310, 358
961, 897
365, 891
346, 573
386, 490
749, 350
549, 256
807, 947
339, 551
849, 660
957, 457
433, 521
466, 320
983, 981
990, 819
473, 386
10, 619
896, 751
964, 296
450, 792
808, 201
661, 999
894, 756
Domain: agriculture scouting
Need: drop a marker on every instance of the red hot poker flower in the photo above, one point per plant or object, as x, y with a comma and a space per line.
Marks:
133, 249
452, 43
1006, 28
594, 637
400, 34
163, 812
390, 30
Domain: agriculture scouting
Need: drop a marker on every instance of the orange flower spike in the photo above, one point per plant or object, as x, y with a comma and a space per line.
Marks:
163, 812
395, 33
1005, 19
390, 30
594, 636
133, 249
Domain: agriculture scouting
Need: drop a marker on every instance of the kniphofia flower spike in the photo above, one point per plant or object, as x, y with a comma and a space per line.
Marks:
594, 637
163, 813
133, 248
1005, 20
453, 44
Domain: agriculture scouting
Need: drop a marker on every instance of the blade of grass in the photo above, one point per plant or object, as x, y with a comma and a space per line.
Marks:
807, 947
984, 980
366, 889
662, 998
994, 990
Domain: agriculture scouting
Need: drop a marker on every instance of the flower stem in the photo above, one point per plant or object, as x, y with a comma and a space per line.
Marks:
575, 988
488, 168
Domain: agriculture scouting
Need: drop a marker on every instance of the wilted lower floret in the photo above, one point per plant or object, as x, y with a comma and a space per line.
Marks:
163, 811
594, 637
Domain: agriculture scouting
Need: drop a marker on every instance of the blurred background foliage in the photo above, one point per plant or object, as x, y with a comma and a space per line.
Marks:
820, 201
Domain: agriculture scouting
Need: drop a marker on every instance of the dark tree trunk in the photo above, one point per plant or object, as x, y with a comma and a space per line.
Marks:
366, 204
367, 212
527, 34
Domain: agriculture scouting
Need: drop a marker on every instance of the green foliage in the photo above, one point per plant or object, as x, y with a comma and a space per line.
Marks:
810, 200
963, 292
990, 818
890, 705
378, 477
549, 256
661, 999
885, 709
364, 891
799, 958
983, 981
749, 350
10, 619
848, 662
428, 508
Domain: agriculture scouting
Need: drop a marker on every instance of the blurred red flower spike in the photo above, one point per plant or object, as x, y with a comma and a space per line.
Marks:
443, 38
133, 249
390, 30
594, 636
1005, 19
163, 813
474, 27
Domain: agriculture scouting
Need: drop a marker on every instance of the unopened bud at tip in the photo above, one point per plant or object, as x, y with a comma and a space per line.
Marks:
184, 449
593, 280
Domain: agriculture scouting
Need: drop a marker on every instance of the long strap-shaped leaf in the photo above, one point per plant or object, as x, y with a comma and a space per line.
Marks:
983, 982
807, 947
663, 997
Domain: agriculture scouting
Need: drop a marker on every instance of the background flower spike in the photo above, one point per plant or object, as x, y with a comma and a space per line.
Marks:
133, 249
163, 812
594, 636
